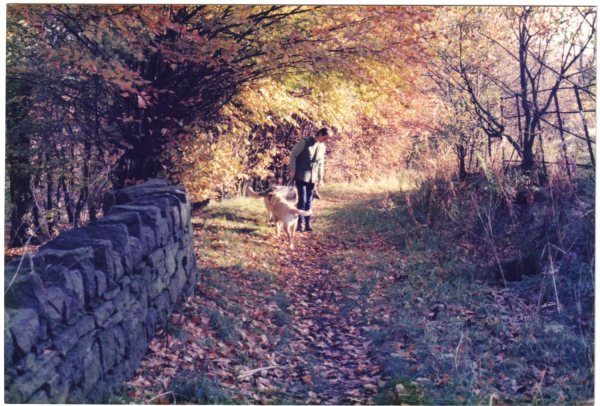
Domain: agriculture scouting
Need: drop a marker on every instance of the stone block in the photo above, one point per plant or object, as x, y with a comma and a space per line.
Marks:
66, 340
70, 369
121, 262
110, 294
133, 320
162, 303
83, 346
176, 215
138, 349
41, 372
135, 286
176, 285
144, 274
60, 394
100, 283
24, 324
117, 317
116, 233
20, 266
85, 325
151, 218
27, 290
9, 344
81, 259
39, 398
52, 385
151, 323
123, 300
164, 205
103, 312
124, 282
75, 395
92, 369
186, 216
121, 343
131, 220
103, 257
55, 310
158, 285
156, 260
25, 364
108, 350
170, 253
135, 249
181, 259
128, 194
140, 191
72, 283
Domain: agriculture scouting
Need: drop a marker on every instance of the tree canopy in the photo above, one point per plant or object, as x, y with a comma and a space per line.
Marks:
213, 96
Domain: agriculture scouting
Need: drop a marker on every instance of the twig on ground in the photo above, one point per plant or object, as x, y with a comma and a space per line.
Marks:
252, 372
162, 394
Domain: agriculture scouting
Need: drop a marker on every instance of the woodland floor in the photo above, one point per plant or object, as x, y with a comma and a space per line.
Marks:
343, 319
281, 318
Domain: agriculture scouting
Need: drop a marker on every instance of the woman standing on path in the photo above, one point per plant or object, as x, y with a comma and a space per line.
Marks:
306, 168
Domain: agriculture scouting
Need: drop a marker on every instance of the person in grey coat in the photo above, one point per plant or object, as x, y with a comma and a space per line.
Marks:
307, 161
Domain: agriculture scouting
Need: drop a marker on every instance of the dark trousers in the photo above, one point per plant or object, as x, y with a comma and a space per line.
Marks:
305, 196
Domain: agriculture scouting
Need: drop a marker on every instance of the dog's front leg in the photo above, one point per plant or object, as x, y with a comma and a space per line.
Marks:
277, 228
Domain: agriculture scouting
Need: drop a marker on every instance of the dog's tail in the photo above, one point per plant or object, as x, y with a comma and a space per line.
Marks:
252, 193
302, 212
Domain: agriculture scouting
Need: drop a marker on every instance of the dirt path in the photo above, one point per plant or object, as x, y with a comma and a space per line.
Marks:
333, 337
266, 324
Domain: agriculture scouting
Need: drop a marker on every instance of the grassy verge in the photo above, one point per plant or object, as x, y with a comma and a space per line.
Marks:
442, 321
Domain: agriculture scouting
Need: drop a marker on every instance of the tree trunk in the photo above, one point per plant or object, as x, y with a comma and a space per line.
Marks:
50, 204
585, 128
462, 155
562, 135
21, 201
18, 163
87, 198
528, 162
68, 204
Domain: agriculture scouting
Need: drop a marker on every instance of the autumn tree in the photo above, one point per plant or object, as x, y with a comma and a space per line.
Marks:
514, 63
136, 76
122, 91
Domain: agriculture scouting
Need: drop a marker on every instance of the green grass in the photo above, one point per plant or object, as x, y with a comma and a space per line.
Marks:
465, 350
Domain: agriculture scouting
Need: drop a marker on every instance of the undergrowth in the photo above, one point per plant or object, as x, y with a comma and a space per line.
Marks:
494, 286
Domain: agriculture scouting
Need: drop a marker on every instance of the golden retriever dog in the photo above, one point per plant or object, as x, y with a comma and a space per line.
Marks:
281, 210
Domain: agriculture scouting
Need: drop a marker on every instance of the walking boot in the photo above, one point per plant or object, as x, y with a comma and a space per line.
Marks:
300, 224
308, 225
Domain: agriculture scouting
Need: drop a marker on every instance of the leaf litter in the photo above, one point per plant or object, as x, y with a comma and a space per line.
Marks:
263, 334
342, 319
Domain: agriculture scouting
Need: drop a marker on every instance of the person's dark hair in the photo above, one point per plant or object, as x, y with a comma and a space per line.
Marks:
323, 132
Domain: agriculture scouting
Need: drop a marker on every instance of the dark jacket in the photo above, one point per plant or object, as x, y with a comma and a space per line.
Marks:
307, 160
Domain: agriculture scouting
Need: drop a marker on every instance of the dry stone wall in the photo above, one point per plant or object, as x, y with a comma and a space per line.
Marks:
80, 312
